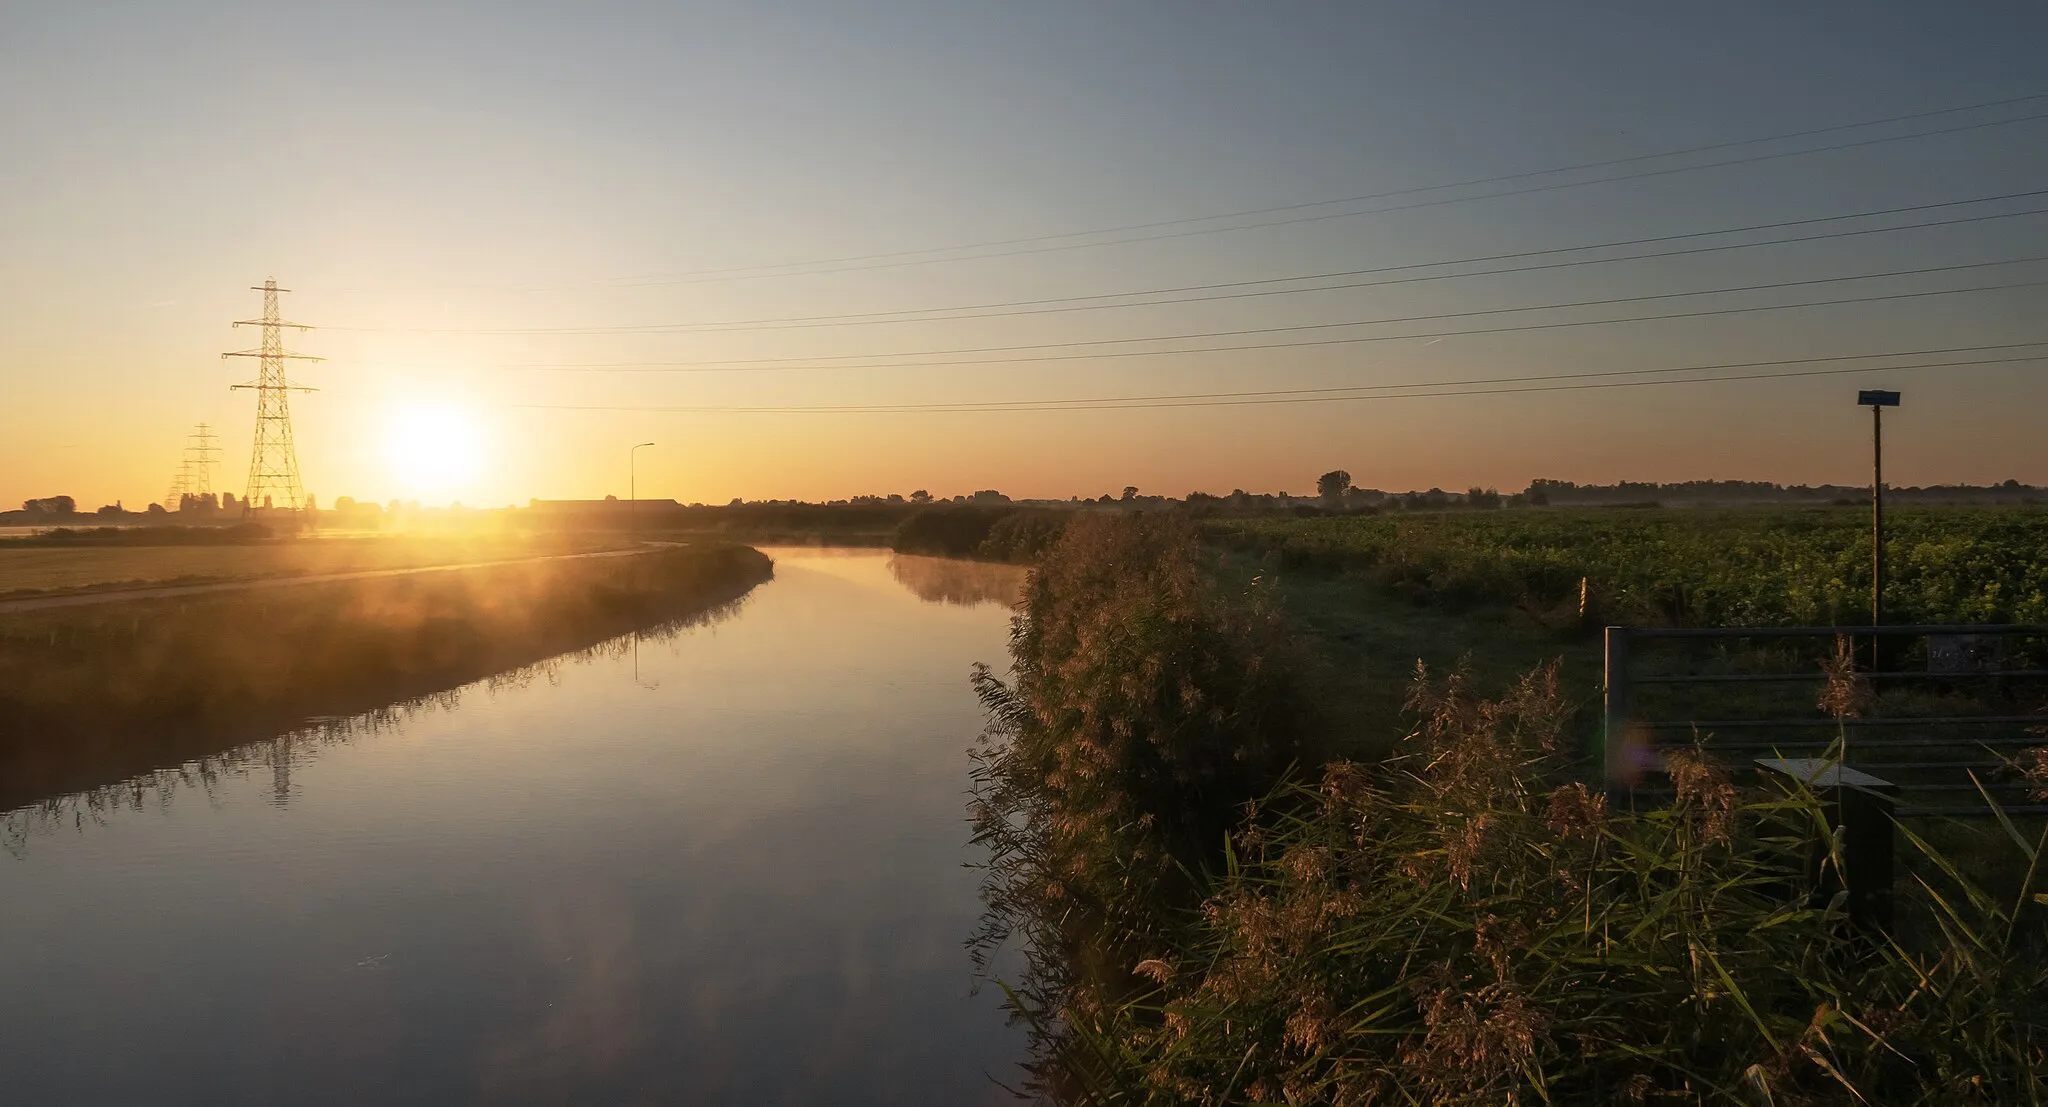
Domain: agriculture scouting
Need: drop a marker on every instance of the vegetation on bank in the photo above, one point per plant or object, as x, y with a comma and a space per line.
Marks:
1747, 566
112, 560
999, 533
240, 534
1460, 922
96, 693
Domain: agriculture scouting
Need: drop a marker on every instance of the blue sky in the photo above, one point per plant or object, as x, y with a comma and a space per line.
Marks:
414, 171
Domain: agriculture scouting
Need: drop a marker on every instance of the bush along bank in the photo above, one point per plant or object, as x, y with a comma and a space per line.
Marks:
1015, 534
1460, 924
95, 693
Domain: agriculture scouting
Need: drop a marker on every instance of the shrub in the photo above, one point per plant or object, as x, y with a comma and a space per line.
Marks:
1445, 929
1145, 709
952, 530
1000, 533
1023, 535
1462, 924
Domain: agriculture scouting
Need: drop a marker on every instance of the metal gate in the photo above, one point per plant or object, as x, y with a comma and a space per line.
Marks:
1950, 705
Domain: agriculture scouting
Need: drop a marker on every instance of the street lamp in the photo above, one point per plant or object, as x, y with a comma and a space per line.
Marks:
1877, 399
633, 490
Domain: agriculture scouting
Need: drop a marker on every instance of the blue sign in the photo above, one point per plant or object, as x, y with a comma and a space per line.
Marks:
1877, 397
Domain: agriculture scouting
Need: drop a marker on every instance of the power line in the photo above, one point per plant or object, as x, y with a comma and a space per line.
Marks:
1056, 404
889, 257
854, 319
1032, 307
1522, 379
1368, 212
1420, 389
767, 363
803, 268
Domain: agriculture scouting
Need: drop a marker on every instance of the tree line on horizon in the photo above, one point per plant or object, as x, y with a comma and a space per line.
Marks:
1334, 490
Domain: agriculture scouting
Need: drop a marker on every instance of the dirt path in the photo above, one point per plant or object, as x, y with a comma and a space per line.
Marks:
78, 599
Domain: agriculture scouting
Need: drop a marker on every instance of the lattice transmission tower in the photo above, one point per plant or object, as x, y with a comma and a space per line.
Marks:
273, 460
195, 472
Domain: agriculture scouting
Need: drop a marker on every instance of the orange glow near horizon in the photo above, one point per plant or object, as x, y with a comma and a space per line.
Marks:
1434, 251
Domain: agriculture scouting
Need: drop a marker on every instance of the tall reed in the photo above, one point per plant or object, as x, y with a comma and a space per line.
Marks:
1144, 711
1461, 924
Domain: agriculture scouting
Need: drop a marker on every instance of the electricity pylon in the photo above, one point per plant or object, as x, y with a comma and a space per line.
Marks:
200, 454
273, 461
195, 473
181, 486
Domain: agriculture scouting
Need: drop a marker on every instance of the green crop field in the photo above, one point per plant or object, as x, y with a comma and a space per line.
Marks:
1720, 566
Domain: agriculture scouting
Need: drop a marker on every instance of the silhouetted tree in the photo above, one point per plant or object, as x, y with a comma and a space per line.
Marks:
50, 505
1332, 485
1130, 492
920, 497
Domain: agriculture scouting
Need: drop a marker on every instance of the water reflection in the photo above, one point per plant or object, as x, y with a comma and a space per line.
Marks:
744, 885
277, 757
969, 583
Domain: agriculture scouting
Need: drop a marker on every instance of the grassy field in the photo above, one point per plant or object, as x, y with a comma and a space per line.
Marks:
29, 570
1369, 642
1719, 566
94, 694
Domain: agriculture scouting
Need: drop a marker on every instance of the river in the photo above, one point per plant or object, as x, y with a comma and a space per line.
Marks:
723, 865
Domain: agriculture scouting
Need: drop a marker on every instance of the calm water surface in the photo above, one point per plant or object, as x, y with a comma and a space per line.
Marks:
727, 871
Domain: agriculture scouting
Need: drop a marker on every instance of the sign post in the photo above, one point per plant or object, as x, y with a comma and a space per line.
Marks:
1877, 400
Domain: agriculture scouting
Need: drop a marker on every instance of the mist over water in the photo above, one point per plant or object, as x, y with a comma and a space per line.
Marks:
724, 867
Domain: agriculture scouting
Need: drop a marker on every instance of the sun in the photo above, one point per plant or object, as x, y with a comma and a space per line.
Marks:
435, 450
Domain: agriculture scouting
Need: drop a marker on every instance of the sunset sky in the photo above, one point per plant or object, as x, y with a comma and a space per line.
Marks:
521, 227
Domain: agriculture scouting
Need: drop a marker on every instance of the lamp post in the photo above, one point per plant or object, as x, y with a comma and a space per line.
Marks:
1877, 399
633, 490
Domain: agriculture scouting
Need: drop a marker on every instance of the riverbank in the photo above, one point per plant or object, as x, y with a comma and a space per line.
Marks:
1226, 897
62, 563
90, 695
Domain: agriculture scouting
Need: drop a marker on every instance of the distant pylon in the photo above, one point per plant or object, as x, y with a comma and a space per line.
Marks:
181, 486
195, 471
273, 461
200, 455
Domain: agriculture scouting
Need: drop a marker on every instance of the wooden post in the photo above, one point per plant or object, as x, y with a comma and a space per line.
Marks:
1865, 816
1614, 717
1861, 806
1876, 515
1877, 399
